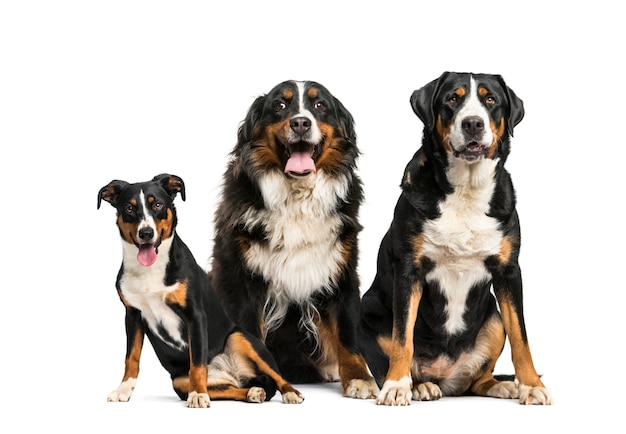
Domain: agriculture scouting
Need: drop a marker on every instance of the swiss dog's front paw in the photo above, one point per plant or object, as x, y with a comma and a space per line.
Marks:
293, 397
504, 389
198, 400
426, 392
361, 389
534, 395
123, 392
395, 392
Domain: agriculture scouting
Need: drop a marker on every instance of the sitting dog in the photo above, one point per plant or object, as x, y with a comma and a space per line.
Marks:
285, 250
430, 326
168, 297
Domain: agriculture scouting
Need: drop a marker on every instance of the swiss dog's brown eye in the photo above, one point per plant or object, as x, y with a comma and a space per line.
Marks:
279, 106
490, 100
129, 209
453, 99
157, 206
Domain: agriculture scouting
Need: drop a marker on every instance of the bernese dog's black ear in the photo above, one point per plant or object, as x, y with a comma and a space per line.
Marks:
111, 192
516, 107
423, 99
245, 133
346, 122
172, 184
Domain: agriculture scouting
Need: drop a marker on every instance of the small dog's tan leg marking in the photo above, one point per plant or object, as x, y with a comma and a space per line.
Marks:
131, 370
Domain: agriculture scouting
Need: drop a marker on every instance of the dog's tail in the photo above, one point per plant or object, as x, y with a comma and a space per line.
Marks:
266, 383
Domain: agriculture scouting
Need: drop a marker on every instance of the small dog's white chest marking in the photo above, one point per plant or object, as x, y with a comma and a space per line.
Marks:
462, 237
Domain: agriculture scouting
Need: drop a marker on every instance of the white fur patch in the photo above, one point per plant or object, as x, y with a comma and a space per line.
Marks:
471, 107
143, 288
463, 236
303, 253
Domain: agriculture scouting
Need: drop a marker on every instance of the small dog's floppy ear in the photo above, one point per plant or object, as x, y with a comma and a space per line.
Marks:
111, 192
172, 184
246, 129
422, 101
516, 107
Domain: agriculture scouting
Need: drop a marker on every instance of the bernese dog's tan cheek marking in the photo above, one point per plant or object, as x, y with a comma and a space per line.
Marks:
332, 152
265, 153
444, 134
498, 133
178, 296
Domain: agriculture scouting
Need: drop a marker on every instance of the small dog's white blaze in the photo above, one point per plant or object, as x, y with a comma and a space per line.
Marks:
148, 220
463, 237
472, 106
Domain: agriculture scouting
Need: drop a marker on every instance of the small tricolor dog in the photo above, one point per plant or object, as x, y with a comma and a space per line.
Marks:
430, 325
286, 246
168, 297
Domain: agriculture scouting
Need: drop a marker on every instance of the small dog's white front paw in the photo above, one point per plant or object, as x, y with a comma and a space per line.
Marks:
534, 395
123, 392
198, 400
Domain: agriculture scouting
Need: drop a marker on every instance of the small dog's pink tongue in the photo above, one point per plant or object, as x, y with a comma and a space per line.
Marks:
300, 162
147, 254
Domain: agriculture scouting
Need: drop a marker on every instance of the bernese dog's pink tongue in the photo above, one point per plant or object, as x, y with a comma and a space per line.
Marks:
147, 254
300, 163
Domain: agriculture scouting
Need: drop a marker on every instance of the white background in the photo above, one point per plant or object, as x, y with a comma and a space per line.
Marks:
94, 91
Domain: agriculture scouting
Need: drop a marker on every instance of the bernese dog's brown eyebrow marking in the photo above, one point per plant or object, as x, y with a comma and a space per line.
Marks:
312, 93
287, 93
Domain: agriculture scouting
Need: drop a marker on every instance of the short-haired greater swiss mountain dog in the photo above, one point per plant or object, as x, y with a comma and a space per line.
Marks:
430, 325
168, 297
285, 248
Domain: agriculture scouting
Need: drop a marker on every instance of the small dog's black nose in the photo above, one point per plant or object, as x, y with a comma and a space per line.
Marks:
473, 126
300, 125
146, 234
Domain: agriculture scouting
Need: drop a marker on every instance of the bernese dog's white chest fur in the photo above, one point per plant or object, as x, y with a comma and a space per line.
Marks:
302, 253
463, 237
142, 288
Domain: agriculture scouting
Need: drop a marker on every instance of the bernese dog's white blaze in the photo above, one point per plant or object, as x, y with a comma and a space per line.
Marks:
314, 134
462, 237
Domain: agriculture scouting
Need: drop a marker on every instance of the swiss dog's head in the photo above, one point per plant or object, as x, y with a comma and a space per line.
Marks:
471, 115
146, 216
298, 128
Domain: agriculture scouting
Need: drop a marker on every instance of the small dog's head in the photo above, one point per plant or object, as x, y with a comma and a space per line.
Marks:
473, 115
299, 127
146, 215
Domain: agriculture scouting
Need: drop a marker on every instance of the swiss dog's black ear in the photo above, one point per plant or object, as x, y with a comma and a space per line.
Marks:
422, 101
172, 184
111, 192
346, 121
246, 129
516, 107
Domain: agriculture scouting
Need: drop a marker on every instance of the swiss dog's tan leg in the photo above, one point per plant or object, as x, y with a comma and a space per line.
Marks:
398, 384
222, 391
531, 388
131, 369
356, 379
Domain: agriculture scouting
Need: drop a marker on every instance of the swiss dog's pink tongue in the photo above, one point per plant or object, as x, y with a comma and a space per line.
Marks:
147, 254
300, 163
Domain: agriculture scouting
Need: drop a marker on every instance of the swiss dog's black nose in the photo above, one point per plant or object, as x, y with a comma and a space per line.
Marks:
473, 126
146, 234
300, 125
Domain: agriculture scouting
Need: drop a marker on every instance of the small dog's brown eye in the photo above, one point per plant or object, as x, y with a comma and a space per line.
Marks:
453, 99
129, 209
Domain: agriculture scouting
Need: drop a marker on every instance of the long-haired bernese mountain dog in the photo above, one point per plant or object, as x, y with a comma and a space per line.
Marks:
430, 325
285, 249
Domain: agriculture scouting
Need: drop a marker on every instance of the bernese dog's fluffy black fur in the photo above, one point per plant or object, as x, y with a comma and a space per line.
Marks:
430, 324
168, 298
285, 249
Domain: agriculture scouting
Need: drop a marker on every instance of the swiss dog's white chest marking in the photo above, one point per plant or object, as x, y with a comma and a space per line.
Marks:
463, 236
143, 288
303, 254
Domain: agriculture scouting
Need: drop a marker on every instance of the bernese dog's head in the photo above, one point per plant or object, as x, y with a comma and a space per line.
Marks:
298, 128
471, 115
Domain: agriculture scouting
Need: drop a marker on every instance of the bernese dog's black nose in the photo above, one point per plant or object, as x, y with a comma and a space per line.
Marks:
300, 125
146, 234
